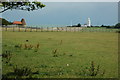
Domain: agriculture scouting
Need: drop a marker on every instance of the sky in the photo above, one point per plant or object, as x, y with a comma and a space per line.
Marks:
78, 0
63, 13
68, 0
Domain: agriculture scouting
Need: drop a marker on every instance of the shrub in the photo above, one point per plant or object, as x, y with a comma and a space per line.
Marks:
24, 71
18, 46
92, 70
37, 46
117, 25
117, 31
7, 55
55, 53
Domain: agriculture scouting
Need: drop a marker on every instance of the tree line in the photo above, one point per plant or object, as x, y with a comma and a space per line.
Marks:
114, 26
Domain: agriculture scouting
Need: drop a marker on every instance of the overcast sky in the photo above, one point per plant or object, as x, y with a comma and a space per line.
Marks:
68, 0
79, 0
62, 13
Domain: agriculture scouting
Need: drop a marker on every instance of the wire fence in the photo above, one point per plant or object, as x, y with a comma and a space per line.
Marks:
57, 29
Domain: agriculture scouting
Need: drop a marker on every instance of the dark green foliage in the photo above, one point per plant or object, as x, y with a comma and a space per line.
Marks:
79, 25
29, 6
24, 71
55, 53
4, 22
43, 66
106, 26
19, 73
93, 70
7, 56
117, 25
117, 31
18, 46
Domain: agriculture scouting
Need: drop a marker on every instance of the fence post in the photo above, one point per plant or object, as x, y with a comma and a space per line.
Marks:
61, 29
47, 29
74, 29
82, 29
70, 29
13, 28
57, 29
41, 29
25, 29
30, 29
19, 29
36, 28
5, 28
52, 29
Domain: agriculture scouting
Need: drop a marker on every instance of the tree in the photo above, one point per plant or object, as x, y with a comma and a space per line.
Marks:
4, 22
102, 26
79, 25
117, 25
29, 6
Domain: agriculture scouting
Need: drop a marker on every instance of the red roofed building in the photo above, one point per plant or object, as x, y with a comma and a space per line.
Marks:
17, 22
21, 23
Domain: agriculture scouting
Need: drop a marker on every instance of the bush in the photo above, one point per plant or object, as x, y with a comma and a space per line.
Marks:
7, 56
92, 70
24, 71
117, 25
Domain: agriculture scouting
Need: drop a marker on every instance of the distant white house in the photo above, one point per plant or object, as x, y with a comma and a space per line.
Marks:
84, 25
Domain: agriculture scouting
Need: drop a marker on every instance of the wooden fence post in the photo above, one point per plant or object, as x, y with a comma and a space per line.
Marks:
19, 29
79, 29
5, 28
57, 29
47, 29
25, 29
30, 29
70, 29
74, 29
61, 29
52, 29
41, 29
36, 28
13, 28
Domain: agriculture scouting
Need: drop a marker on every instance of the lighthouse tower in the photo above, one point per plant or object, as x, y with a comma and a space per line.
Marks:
89, 22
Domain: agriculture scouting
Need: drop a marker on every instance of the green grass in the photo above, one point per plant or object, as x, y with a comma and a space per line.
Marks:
77, 49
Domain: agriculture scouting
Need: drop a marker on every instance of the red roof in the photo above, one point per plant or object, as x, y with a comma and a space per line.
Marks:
17, 22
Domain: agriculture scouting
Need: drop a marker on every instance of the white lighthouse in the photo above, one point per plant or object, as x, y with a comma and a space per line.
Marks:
89, 22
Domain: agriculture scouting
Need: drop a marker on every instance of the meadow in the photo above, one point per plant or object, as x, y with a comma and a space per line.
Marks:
60, 54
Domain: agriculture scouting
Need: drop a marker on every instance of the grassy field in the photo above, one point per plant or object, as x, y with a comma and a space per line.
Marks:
62, 54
